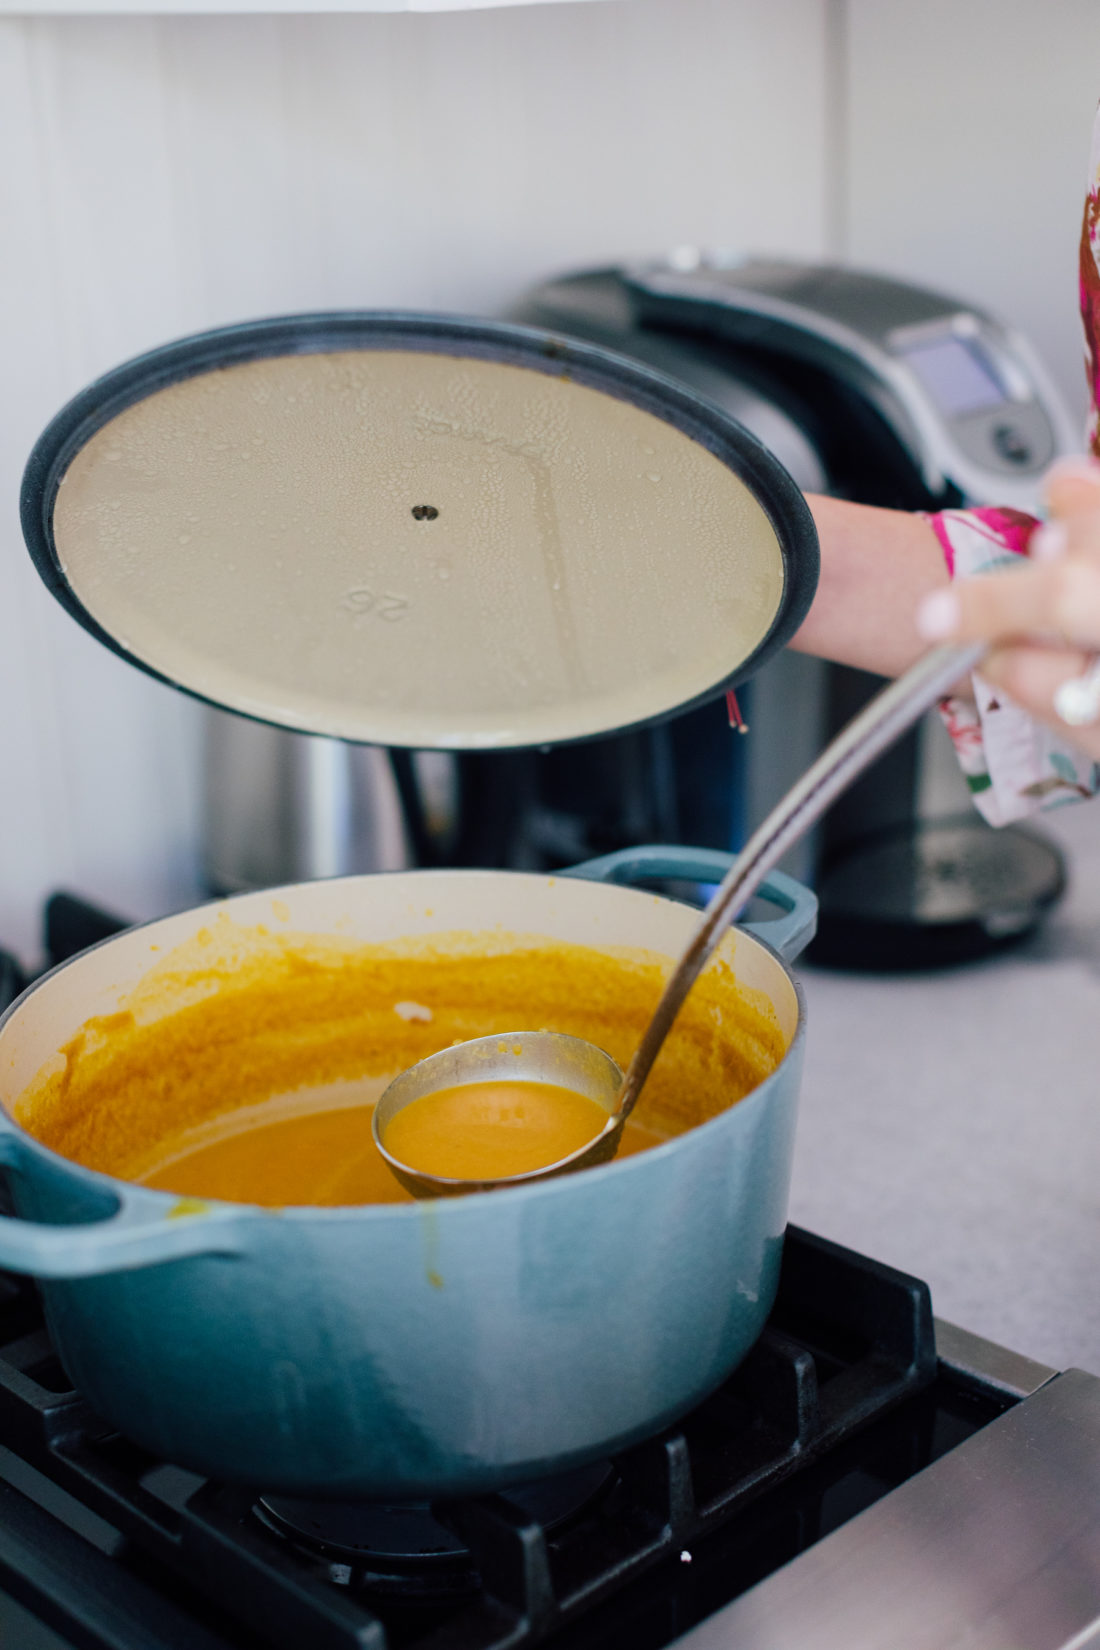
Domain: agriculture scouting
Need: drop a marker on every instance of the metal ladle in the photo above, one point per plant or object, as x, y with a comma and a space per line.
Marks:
552, 1057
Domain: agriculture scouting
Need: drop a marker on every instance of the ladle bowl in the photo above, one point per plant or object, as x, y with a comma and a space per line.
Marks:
530, 1056
526, 1056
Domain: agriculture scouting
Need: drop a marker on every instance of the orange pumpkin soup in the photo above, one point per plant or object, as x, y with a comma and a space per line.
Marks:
327, 1158
245, 1064
487, 1131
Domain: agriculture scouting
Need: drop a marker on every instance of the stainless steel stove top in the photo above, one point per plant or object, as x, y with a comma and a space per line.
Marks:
996, 1546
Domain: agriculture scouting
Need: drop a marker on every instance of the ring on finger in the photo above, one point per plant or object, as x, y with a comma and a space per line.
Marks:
1077, 701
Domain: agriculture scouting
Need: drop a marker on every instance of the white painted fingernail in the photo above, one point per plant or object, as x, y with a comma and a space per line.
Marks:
1077, 701
1049, 541
938, 615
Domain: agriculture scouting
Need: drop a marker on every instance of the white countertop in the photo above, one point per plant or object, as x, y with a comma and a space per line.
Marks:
951, 1123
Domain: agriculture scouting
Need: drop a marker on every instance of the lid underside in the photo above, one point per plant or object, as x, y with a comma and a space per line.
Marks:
419, 549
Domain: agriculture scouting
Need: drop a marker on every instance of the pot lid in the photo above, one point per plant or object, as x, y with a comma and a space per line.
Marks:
418, 531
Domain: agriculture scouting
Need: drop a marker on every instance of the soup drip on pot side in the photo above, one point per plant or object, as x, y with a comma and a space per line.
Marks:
248, 1046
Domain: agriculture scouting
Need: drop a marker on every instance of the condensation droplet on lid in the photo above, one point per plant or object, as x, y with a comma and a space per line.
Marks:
652, 477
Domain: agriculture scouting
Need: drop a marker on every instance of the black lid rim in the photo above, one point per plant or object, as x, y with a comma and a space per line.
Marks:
552, 353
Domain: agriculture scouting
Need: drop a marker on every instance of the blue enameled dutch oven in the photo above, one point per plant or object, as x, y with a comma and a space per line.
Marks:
411, 1350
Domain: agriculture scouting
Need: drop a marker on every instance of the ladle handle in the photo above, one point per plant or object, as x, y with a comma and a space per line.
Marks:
889, 714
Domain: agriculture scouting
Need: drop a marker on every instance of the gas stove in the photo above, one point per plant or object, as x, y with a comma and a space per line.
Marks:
846, 1479
868, 1477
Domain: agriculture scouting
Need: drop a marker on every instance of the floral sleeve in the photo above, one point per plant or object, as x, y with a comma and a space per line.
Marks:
1013, 764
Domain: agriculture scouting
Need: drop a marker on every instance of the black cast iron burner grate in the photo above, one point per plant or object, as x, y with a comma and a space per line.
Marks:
847, 1341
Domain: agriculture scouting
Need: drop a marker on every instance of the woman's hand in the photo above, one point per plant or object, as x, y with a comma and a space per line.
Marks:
1042, 619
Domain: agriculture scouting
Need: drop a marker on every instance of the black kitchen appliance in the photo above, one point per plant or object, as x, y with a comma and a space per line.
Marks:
884, 393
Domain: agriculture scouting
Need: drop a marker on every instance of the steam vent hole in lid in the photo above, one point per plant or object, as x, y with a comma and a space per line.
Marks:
417, 549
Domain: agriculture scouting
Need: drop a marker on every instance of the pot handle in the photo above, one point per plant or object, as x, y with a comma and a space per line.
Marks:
133, 1236
787, 934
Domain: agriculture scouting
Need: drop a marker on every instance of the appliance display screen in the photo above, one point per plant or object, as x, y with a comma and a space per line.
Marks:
956, 374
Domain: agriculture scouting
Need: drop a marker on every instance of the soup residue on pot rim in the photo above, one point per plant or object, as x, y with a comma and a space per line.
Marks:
246, 1063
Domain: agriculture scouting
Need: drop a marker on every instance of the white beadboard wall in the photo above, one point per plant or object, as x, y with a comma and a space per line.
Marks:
163, 174
166, 174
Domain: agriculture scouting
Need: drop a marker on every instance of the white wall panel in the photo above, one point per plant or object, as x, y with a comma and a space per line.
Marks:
165, 174
968, 136
68, 8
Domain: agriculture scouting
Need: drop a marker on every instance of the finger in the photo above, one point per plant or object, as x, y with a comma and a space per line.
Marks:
1058, 598
1067, 536
1031, 675
1072, 487
1075, 534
